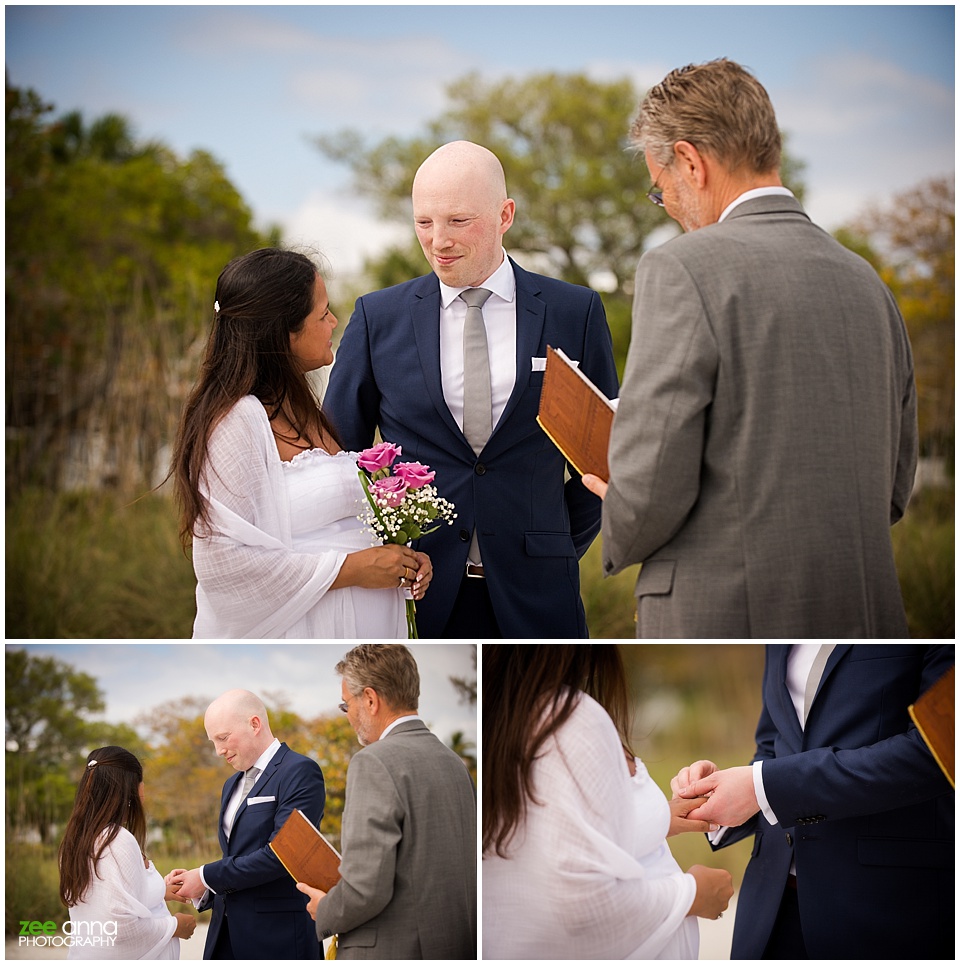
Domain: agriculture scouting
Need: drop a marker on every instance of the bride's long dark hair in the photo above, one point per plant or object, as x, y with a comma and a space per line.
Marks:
529, 692
264, 297
108, 799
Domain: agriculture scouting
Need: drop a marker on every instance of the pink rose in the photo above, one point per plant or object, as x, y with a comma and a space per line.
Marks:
379, 457
414, 474
390, 490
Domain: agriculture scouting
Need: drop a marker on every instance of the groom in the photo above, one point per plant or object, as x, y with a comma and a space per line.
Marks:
853, 821
257, 911
408, 365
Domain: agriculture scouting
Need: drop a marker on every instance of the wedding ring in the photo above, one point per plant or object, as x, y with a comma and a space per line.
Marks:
400, 584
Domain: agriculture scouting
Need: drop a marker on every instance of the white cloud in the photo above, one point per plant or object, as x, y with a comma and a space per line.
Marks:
344, 229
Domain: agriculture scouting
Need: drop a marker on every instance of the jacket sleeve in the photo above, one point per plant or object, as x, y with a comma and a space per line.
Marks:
656, 445
908, 449
352, 399
373, 826
599, 366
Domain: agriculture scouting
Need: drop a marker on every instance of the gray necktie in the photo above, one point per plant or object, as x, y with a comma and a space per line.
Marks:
477, 405
816, 675
249, 779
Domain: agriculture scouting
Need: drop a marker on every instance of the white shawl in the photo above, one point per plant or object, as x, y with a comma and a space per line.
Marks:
589, 874
250, 580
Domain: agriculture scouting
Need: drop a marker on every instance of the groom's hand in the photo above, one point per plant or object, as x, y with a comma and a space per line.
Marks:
732, 798
191, 884
315, 895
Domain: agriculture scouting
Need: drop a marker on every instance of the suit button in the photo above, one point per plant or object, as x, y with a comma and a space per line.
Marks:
464, 535
789, 838
480, 469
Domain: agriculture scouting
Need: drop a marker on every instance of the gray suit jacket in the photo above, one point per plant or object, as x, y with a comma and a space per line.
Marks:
766, 437
409, 842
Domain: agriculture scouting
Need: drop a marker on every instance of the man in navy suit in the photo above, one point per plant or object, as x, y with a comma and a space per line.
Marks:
853, 855
258, 913
508, 566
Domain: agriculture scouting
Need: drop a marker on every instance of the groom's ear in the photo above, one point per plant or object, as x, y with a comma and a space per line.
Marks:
372, 699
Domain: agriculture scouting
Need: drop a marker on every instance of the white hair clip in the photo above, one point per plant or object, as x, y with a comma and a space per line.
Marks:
91, 763
216, 307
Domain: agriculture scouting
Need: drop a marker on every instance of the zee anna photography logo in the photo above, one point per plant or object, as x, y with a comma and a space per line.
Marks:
94, 934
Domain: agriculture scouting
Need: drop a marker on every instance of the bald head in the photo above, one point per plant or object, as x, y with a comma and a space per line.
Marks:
463, 162
461, 211
236, 722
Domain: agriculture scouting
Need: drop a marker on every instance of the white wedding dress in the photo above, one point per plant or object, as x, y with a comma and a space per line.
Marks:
589, 874
126, 898
281, 533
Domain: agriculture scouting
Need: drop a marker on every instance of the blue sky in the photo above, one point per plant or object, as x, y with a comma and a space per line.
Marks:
866, 93
136, 677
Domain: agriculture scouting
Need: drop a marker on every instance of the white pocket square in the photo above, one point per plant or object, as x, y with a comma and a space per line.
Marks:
540, 365
259, 800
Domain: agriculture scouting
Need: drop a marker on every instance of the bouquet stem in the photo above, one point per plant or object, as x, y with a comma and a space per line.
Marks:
412, 621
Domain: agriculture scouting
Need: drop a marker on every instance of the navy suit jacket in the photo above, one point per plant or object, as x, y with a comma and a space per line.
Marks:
267, 917
863, 807
532, 528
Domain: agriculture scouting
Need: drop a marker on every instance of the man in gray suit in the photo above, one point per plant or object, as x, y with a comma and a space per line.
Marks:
408, 885
766, 434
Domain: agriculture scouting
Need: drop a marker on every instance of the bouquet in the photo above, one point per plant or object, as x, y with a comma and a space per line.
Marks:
403, 504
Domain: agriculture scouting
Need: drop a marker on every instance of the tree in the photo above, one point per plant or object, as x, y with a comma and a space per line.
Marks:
582, 213
466, 687
49, 732
113, 255
912, 243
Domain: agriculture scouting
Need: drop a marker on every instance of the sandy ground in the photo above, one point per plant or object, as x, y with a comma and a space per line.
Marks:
715, 937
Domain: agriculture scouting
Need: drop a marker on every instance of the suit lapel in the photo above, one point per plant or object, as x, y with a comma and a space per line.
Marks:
788, 713
425, 313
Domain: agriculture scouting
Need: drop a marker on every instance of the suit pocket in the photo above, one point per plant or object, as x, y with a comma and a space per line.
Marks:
656, 578
549, 544
359, 938
905, 852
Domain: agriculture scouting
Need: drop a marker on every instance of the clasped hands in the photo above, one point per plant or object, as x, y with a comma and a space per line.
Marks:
722, 797
184, 885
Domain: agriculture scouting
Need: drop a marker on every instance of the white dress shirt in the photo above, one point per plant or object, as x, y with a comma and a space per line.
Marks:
500, 322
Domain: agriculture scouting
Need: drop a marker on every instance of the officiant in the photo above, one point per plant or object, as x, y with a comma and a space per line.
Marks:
408, 887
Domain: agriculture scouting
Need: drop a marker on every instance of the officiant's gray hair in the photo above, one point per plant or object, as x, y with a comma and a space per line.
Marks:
387, 668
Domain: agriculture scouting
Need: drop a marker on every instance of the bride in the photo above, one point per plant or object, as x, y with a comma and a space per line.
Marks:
575, 861
106, 880
265, 489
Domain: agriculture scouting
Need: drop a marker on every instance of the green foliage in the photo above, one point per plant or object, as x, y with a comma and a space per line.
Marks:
92, 566
912, 244
925, 549
32, 885
109, 283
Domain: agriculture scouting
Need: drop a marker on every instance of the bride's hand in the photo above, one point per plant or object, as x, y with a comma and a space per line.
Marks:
679, 822
687, 775
424, 576
172, 890
379, 568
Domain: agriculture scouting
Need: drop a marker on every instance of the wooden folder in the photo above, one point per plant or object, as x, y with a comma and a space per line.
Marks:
933, 713
306, 853
576, 415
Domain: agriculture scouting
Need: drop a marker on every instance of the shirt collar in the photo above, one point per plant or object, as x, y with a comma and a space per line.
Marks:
502, 282
755, 193
264, 759
400, 720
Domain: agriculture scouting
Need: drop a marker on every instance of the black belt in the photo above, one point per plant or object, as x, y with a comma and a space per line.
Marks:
475, 571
